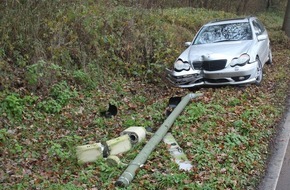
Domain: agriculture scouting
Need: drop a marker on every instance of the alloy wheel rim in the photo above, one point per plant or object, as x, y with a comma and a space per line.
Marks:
259, 72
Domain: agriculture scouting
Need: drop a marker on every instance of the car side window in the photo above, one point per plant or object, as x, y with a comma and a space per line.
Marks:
261, 25
258, 27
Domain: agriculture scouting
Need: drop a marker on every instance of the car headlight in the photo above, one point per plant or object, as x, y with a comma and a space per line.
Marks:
240, 61
179, 65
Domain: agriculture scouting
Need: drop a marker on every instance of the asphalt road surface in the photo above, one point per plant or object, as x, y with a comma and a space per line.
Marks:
278, 171
284, 178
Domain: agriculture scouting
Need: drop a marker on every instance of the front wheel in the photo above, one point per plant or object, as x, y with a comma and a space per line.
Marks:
270, 58
259, 76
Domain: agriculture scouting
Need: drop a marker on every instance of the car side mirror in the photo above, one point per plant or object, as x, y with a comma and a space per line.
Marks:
262, 37
187, 44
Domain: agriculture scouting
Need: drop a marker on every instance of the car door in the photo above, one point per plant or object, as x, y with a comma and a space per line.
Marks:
262, 40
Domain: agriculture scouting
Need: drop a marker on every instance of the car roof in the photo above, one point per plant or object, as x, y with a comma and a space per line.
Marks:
232, 20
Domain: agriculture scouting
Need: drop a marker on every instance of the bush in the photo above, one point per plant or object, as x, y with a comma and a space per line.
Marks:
42, 75
12, 106
59, 96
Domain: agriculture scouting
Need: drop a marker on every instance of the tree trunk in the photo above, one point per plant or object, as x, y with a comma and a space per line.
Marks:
269, 4
286, 24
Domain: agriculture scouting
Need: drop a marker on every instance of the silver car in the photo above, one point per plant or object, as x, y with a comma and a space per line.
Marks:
224, 52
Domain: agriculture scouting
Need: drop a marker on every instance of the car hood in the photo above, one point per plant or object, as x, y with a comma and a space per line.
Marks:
215, 51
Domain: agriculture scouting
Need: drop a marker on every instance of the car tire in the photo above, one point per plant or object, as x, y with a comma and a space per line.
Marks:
259, 76
270, 58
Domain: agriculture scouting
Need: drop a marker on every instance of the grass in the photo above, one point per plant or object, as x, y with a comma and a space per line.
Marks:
56, 105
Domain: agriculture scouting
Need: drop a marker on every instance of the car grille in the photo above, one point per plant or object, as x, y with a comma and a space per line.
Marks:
214, 65
197, 65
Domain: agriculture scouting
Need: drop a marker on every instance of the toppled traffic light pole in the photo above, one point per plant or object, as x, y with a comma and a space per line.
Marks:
129, 174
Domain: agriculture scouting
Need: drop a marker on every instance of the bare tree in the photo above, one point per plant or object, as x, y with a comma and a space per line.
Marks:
286, 24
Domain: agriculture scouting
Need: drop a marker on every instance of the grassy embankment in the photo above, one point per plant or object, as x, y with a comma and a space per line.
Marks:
60, 69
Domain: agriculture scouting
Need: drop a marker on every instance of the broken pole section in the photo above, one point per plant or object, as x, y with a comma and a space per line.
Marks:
129, 174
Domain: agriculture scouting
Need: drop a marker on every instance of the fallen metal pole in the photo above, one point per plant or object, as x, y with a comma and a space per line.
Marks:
129, 174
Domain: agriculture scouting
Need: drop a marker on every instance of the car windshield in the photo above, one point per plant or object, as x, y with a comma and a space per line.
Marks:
224, 32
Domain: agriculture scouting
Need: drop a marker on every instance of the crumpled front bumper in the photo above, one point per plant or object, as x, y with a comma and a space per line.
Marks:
185, 79
238, 75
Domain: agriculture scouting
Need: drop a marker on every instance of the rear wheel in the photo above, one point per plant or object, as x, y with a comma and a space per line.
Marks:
259, 76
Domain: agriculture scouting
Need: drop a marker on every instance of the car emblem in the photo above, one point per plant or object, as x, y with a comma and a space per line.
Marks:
205, 57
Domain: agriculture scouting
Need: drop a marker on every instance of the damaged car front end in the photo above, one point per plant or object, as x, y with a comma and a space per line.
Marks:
186, 78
